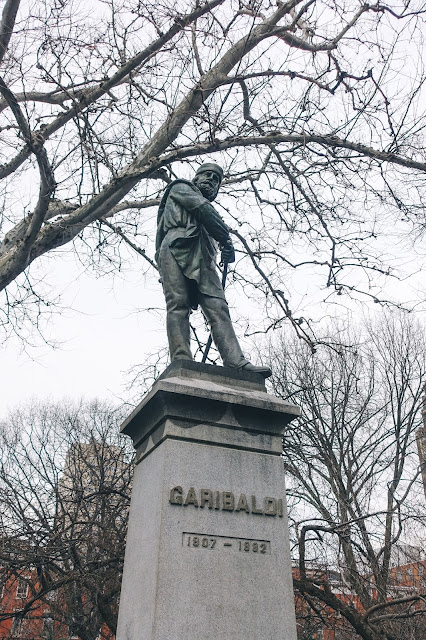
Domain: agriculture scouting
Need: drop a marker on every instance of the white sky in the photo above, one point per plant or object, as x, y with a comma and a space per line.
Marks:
99, 340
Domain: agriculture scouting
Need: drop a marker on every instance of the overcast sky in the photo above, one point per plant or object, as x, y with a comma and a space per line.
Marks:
99, 339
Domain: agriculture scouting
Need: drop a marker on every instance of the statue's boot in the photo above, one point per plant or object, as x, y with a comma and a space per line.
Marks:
217, 313
252, 368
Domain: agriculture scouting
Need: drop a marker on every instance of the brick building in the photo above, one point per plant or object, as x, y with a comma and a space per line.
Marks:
421, 445
407, 579
87, 530
40, 623
17, 594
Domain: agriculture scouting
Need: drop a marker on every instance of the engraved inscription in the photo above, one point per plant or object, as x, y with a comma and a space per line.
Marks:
225, 501
238, 545
176, 495
196, 540
206, 497
255, 546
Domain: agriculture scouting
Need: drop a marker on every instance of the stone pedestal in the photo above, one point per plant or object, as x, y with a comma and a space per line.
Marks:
207, 555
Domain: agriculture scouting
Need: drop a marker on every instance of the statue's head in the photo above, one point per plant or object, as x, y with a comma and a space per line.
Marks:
208, 178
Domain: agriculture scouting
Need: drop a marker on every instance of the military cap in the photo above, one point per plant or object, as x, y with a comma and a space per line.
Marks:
210, 166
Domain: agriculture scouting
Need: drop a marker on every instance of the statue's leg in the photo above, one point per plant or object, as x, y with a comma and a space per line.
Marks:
217, 314
176, 293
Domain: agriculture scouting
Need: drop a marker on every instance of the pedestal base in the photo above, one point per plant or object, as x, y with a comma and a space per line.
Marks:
207, 554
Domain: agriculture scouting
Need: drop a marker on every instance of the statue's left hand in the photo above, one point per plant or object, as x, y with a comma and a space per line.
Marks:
228, 253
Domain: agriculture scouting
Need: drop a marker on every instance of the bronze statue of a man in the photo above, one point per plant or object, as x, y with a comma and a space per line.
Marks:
188, 229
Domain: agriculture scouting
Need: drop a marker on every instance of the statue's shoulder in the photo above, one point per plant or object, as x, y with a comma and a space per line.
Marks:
182, 181
179, 184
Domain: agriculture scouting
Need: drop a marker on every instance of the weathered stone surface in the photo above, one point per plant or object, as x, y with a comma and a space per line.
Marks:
207, 554
191, 398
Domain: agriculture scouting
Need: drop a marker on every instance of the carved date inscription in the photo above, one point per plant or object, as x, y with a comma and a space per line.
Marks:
239, 545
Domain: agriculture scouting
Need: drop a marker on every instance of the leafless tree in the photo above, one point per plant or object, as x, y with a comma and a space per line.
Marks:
354, 474
354, 488
65, 481
315, 108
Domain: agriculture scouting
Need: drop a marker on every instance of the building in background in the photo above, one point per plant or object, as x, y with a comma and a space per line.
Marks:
407, 578
87, 542
37, 622
421, 445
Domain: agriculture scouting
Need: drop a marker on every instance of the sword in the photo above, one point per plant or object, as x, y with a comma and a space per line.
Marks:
210, 340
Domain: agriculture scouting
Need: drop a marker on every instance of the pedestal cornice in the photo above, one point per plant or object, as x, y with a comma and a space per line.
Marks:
210, 404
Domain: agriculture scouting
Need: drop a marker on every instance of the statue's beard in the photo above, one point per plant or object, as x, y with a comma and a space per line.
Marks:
208, 190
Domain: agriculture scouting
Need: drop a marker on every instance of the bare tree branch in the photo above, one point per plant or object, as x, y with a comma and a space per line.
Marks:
7, 23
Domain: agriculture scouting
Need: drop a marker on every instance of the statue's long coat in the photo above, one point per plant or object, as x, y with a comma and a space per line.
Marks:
189, 225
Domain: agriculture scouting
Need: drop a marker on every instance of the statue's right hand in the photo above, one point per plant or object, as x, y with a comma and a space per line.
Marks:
228, 253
